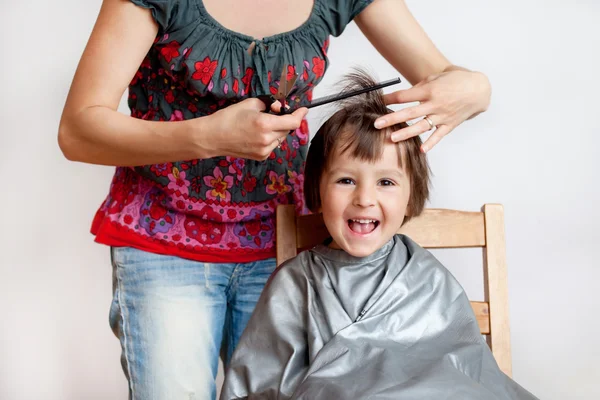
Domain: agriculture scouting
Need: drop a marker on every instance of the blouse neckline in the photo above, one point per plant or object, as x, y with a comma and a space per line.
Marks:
249, 39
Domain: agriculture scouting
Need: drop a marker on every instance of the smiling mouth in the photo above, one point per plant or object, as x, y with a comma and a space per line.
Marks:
363, 226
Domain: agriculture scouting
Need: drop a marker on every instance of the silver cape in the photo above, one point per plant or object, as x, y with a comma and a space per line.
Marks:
393, 325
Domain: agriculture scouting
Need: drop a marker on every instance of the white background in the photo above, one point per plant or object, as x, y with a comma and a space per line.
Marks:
535, 151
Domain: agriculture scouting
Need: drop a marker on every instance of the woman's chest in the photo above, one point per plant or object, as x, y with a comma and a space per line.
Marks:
259, 18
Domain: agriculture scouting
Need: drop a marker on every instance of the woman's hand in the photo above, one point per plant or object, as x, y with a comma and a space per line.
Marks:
244, 130
446, 99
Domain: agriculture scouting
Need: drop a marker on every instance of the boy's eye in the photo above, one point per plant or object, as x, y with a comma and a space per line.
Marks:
386, 182
345, 181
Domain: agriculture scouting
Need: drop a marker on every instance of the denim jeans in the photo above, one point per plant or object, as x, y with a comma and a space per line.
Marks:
174, 317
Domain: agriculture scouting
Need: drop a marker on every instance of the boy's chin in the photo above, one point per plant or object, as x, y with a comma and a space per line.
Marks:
359, 251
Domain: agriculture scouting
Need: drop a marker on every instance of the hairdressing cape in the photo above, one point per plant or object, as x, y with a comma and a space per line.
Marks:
392, 325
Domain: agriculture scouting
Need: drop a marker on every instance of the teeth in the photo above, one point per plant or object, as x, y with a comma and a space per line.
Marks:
364, 221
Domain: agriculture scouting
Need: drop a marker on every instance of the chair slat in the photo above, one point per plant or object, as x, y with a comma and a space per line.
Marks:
482, 312
438, 228
434, 228
496, 286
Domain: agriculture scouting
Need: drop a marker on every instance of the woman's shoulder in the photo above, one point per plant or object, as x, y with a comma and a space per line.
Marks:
170, 14
338, 13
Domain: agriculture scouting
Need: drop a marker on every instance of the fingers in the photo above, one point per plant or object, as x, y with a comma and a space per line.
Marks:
285, 122
435, 138
272, 141
403, 115
413, 130
254, 104
421, 127
276, 107
415, 93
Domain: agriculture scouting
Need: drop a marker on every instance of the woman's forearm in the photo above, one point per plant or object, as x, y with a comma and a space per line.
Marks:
100, 135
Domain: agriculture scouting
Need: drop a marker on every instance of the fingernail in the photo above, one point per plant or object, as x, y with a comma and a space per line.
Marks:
424, 149
380, 123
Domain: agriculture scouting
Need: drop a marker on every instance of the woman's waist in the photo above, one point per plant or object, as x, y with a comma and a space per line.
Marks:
169, 190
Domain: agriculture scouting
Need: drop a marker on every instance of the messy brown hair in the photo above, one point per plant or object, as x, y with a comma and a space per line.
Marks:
352, 129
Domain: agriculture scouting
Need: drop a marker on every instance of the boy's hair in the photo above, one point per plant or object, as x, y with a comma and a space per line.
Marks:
352, 129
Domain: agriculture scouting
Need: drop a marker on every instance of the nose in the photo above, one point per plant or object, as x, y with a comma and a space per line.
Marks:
364, 196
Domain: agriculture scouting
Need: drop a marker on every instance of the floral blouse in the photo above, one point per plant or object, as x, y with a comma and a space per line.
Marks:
219, 209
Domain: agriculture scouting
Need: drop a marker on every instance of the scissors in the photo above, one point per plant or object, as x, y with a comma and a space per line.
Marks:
286, 85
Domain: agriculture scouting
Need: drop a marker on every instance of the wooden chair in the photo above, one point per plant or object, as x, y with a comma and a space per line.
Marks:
434, 228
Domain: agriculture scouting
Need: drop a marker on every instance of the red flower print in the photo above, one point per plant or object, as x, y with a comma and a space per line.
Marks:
253, 227
236, 86
162, 169
157, 211
223, 73
192, 107
219, 185
169, 97
236, 166
277, 184
291, 71
208, 214
196, 184
305, 75
170, 51
204, 70
319, 67
249, 183
231, 214
325, 46
138, 75
206, 228
248, 76
177, 115
178, 183
302, 133
128, 219
304, 126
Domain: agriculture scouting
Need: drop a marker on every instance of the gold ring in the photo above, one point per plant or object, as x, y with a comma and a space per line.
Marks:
431, 125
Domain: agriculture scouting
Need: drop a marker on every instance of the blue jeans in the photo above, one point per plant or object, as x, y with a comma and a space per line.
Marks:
175, 316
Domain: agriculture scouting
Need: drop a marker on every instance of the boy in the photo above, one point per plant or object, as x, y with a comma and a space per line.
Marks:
369, 314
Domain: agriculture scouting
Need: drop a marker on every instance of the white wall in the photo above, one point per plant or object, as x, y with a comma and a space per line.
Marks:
535, 151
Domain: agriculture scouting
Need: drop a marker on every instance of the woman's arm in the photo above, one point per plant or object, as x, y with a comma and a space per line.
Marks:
448, 94
93, 131
398, 37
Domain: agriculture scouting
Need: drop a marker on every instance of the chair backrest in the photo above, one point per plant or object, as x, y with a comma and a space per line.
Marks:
434, 228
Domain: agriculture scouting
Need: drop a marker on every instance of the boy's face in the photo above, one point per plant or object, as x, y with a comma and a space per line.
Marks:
364, 203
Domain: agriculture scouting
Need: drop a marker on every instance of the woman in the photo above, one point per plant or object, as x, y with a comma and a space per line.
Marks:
201, 167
